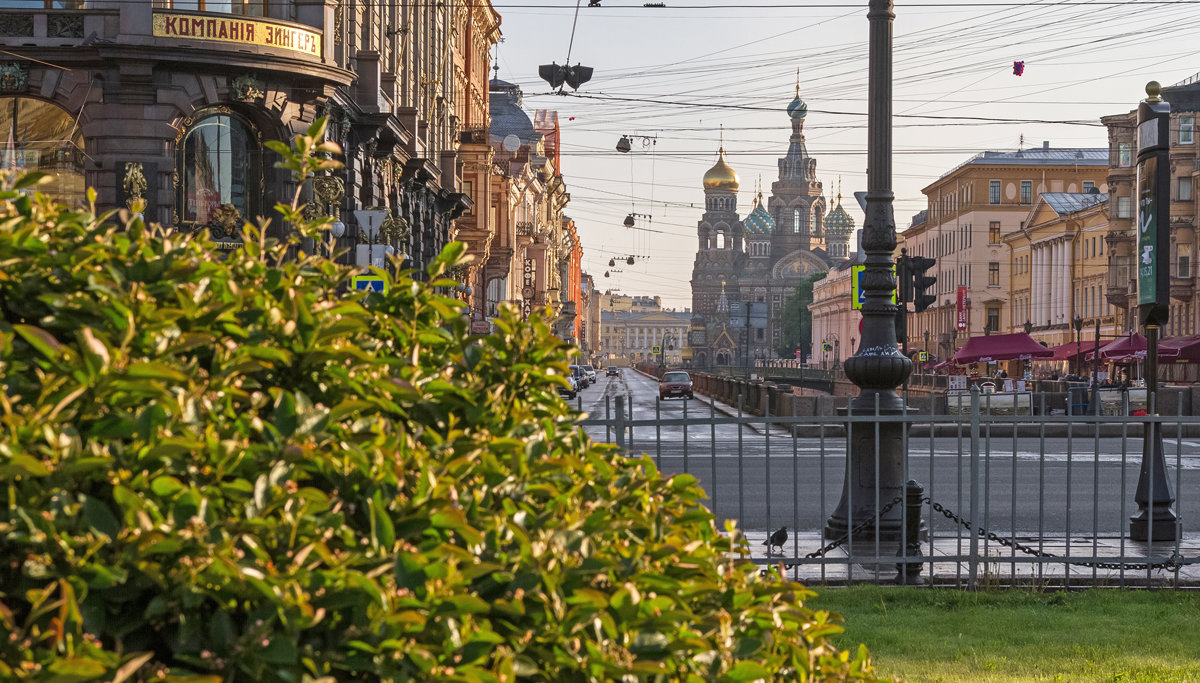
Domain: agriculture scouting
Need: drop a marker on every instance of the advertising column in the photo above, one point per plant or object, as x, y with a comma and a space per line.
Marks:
1155, 519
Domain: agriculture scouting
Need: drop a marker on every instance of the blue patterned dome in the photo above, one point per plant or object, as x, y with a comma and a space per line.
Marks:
759, 222
838, 222
797, 109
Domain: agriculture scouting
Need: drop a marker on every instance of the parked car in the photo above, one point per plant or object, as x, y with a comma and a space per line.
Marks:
571, 390
675, 383
580, 375
591, 373
613, 371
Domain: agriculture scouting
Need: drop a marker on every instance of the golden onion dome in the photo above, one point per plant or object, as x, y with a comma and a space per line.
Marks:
721, 176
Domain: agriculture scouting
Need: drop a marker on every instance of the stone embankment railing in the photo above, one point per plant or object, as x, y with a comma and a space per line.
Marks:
925, 392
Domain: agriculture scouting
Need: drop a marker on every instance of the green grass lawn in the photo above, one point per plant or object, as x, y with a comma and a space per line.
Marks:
922, 634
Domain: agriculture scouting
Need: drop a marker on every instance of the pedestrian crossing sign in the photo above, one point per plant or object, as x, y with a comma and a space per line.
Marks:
860, 294
655, 349
922, 356
368, 283
826, 347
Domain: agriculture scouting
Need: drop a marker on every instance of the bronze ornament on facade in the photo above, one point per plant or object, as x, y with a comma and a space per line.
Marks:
14, 77
135, 186
226, 221
247, 88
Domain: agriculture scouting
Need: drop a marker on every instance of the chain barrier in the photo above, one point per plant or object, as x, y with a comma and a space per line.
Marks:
868, 523
1171, 564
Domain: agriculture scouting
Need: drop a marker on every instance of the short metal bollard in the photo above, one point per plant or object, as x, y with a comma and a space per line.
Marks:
910, 570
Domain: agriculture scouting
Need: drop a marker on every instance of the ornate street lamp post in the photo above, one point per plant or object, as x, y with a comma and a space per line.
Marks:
875, 461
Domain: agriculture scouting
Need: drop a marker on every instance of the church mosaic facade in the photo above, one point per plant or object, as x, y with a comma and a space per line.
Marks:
760, 258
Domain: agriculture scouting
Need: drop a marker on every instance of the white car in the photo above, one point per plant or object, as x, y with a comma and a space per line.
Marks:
591, 373
569, 393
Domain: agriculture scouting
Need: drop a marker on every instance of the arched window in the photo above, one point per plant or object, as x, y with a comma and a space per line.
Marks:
800, 221
220, 171
722, 239
39, 136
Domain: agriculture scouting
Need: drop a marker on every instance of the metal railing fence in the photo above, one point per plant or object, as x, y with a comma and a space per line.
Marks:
999, 499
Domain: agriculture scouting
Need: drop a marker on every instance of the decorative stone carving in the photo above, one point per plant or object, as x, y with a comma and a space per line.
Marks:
64, 26
19, 25
247, 88
135, 186
14, 77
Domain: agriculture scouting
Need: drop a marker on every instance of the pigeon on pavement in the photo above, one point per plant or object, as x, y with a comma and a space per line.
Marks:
777, 538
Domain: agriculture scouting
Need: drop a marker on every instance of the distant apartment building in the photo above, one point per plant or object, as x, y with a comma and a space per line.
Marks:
969, 211
1121, 240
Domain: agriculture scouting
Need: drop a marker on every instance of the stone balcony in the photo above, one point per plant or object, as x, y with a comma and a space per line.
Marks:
58, 28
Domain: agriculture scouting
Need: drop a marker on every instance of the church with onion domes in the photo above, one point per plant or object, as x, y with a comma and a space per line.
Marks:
757, 260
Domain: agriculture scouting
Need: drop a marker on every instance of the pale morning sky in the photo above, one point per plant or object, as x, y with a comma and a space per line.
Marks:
679, 73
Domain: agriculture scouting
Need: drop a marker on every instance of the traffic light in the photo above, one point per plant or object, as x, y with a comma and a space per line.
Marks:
922, 284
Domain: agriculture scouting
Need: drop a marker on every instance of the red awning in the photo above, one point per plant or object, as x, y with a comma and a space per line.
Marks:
1123, 349
1000, 347
1180, 349
1070, 350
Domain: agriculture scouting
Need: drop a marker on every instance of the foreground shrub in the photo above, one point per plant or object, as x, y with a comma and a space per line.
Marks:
219, 466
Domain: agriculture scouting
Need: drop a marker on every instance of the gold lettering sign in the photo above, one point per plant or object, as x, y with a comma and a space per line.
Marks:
228, 29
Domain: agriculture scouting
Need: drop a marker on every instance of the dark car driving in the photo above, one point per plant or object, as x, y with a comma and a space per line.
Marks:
612, 371
675, 384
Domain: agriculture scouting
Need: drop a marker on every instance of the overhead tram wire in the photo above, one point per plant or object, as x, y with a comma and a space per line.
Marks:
746, 107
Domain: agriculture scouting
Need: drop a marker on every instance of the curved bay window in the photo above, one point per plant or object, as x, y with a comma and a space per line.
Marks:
39, 136
220, 174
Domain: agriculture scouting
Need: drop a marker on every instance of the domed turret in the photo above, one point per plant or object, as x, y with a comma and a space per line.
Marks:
759, 222
721, 176
839, 223
797, 109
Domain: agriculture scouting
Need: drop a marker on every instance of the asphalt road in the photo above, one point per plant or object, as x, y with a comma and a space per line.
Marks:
767, 479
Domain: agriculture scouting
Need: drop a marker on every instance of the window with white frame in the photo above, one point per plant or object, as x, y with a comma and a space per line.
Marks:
1187, 125
1124, 154
1123, 207
1184, 189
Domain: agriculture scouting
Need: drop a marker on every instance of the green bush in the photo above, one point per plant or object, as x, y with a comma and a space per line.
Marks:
223, 466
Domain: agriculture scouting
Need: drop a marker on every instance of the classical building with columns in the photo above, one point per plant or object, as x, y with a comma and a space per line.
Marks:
970, 210
1058, 268
629, 337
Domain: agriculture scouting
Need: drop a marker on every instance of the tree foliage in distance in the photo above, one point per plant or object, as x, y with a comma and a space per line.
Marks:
223, 465
796, 319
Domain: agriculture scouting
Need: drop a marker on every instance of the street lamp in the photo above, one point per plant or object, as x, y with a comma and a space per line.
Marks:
926, 349
625, 144
875, 459
1078, 324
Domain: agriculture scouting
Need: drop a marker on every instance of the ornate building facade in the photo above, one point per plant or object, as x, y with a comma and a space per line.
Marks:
167, 107
761, 258
536, 252
1121, 287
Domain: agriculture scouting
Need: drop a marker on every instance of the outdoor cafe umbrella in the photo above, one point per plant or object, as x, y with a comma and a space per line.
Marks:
1065, 352
1127, 349
997, 347
1180, 349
